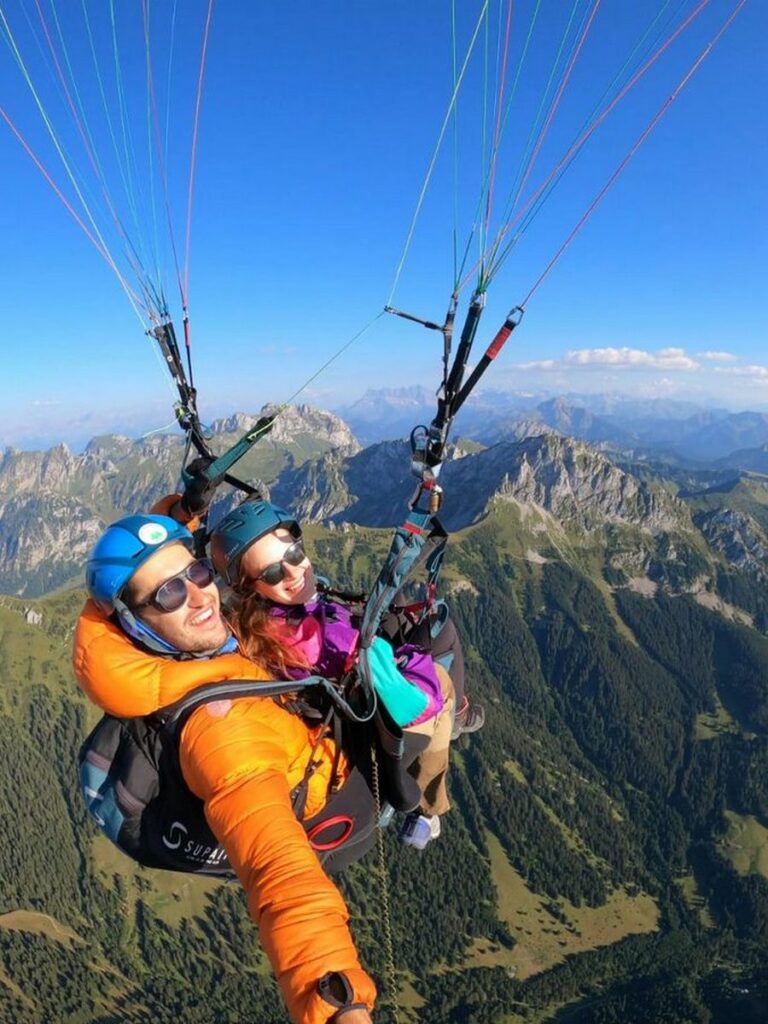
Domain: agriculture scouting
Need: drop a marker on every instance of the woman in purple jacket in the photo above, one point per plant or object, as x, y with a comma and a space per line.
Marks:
298, 630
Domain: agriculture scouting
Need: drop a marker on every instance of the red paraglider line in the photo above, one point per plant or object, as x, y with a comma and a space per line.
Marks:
637, 144
577, 145
556, 101
96, 244
193, 158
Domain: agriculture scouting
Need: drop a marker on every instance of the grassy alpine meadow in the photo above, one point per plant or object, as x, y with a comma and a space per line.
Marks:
608, 825
746, 844
545, 938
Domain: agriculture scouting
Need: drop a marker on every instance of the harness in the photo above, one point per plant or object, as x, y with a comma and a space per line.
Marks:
133, 788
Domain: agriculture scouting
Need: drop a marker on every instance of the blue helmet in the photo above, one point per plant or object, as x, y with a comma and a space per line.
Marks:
240, 528
123, 548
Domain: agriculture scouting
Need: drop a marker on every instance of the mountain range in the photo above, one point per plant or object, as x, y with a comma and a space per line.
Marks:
606, 858
54, 504
678, 430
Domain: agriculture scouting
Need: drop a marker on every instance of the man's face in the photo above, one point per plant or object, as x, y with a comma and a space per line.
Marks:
195, 628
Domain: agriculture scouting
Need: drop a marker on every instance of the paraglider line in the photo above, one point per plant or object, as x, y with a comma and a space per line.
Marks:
127, 185
577, 145
193, 157
433, 160
556, 101
97, 243
514, 192
85, 135
332, 359
499, 121
542, 199
159, 147
637, 144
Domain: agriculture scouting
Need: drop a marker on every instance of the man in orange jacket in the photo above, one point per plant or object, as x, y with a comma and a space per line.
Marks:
151, 633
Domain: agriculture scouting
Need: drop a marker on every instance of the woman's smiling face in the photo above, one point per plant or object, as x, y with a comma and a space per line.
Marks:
297, 585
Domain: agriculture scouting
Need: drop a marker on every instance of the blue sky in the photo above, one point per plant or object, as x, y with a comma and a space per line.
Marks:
317, 124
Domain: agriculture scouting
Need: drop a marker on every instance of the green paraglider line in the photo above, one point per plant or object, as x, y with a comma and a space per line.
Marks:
536, 208
635, 146
158, 146
535, 123
124, 171
507, 110
433, 160
582, 139
128, 146
339, 352
151, 174
556, 101
498, 126
87, 139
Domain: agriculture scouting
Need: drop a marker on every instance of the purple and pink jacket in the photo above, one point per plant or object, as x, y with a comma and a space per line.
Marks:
327, 640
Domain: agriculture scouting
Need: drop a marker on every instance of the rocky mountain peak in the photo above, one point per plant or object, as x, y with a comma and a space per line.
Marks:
565, 478
54, 504
293, 422
738, 537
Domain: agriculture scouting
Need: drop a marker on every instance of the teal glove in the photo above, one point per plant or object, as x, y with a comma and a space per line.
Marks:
403, 700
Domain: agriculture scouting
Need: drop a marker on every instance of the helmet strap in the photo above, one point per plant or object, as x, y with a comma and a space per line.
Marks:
139, 631
131, 624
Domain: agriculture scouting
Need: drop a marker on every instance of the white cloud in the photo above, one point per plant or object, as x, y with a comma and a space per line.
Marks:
44, 403
718, 357
618, 358
542, 364
758, 373
631, 358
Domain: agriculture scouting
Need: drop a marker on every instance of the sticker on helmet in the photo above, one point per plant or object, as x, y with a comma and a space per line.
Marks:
152, 533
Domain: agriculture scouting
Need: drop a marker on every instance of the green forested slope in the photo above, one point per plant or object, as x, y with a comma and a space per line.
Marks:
588, 871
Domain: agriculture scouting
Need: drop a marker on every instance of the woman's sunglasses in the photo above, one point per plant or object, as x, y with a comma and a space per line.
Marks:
275, 573
172, 594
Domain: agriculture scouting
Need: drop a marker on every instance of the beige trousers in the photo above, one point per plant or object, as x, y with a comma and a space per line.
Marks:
430, 769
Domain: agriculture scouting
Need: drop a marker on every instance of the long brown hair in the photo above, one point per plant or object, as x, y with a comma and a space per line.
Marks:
263, 638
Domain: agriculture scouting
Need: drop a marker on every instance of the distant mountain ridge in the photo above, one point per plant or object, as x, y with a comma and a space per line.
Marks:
54, 504
753, 460
681, 429
566, 478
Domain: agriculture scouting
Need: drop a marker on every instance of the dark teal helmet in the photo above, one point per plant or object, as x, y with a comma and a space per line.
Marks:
240, 528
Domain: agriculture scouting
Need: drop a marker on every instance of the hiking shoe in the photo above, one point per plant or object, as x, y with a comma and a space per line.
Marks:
469, 718
419, 830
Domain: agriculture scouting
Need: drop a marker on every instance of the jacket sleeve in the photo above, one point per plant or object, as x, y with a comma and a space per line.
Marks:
235, 757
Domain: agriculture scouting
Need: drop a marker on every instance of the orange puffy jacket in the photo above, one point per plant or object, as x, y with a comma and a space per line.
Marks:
242, 758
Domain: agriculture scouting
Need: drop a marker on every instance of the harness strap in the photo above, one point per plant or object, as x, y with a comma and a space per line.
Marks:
300, 791
175, 715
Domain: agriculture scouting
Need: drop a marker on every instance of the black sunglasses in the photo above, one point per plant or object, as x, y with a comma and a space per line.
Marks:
172, 594
275, 573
